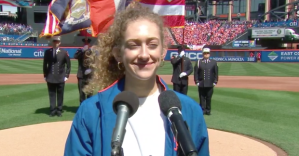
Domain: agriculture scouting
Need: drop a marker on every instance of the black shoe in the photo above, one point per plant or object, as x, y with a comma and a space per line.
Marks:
208, 113
53, 113
59, 114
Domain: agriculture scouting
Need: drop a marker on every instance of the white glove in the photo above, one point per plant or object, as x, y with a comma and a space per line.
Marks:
182, 53
85, 47
214, 84
87, 71
183, 74
197, 84
45, 79
65, 79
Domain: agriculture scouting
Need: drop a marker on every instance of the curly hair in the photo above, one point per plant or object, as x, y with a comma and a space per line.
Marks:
106, 69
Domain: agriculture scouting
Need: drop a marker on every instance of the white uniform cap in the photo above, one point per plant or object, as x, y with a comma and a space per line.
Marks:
206, 50
56, 38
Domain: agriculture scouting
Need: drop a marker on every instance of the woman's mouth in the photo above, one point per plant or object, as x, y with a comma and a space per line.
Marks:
142, 65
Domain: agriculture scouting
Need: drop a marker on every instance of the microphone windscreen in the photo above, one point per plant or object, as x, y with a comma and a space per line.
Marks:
128, 98
168, 99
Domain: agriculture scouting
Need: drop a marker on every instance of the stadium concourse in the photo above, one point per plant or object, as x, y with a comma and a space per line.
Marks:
14, 142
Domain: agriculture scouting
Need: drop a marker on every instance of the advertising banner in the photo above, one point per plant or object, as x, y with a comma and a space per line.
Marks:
280, 56
246, 43
193, 55
266, 56
38, 52
26, 52
24, 44
290, 23
234, 59
268, 32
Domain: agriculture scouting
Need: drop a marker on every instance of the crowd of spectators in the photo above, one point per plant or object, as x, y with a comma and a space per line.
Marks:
14, 29
213, 32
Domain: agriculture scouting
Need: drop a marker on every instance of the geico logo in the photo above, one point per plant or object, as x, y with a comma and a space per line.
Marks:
190, 55
38, 53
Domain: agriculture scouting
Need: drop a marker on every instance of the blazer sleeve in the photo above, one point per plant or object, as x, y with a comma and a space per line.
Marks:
216, 72
175, 60
196, 76
68, 64
189, 67
45, 64
78, 141
78, 54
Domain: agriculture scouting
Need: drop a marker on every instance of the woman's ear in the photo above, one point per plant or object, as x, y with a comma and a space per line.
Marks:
116, 53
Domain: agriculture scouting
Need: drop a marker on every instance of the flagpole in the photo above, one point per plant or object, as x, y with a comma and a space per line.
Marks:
183, 36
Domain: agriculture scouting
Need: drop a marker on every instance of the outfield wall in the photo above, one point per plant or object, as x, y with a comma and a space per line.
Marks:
280, 55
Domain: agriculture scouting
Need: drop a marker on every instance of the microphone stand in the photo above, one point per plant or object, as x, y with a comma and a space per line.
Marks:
116, 150
190, 149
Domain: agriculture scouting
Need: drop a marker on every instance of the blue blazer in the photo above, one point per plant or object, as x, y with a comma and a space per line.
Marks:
92, 127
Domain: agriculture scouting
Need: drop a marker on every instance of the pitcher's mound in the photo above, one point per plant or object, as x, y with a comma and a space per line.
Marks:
48, 139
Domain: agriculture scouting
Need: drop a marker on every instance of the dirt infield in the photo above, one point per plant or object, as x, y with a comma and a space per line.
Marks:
246, 82
221, 143
43, 143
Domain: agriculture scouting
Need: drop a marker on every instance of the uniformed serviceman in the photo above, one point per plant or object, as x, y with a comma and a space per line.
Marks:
182, 68
206, 77
56, 68
84, 73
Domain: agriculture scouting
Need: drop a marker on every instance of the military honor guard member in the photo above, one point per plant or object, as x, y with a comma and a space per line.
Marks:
206, 77
182, 68
56, 68
84, 72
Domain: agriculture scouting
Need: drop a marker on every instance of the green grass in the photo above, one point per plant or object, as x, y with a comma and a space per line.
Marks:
225, 68
269, 115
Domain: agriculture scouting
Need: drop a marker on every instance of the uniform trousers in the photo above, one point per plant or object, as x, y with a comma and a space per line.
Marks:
56, 92
181, 88
205, 96
81, 83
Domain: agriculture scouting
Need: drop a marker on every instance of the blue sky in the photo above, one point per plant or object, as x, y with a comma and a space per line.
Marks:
9, 8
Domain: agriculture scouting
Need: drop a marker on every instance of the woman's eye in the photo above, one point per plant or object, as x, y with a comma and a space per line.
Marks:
153, 46
132, 46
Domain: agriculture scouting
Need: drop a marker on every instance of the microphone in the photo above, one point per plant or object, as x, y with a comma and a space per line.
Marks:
171, 107
125, 105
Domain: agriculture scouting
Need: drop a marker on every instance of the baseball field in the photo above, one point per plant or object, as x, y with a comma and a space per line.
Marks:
258, 100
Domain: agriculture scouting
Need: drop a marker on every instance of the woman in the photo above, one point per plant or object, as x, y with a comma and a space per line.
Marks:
131, 52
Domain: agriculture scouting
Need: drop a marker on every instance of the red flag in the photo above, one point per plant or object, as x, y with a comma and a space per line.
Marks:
102, 14
173, 11
102, 11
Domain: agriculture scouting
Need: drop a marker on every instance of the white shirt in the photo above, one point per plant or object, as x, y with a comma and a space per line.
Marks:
145, 130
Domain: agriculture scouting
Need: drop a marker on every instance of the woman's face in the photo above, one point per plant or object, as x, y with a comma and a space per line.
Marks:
142, 49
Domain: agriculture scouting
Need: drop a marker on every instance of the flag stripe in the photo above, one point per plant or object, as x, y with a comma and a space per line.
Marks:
166, 10
101, 14
174, 21
163, 2
119, 4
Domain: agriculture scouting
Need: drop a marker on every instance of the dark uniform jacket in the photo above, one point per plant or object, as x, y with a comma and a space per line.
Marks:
206, 73
79, 55
54, 65
177, 69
